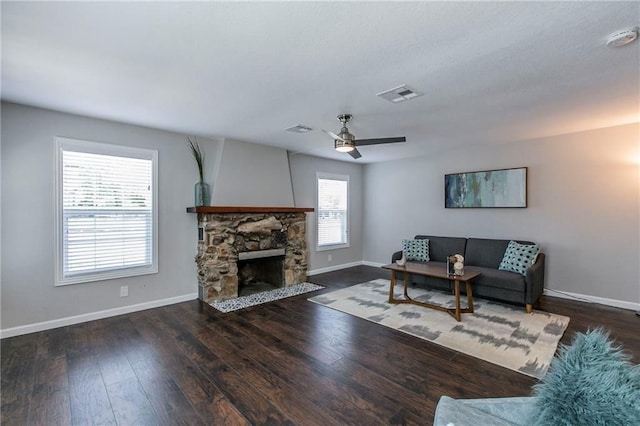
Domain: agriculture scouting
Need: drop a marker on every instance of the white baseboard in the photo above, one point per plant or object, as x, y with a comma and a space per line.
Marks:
375, 264
334, 268
76, 319
62, 322
633, 306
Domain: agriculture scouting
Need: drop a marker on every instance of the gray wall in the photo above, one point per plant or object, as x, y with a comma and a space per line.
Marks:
252, 175
583, 206
28, 293
241, 174
303, 171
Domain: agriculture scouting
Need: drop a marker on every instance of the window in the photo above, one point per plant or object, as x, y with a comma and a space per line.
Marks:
333, 211
106, 211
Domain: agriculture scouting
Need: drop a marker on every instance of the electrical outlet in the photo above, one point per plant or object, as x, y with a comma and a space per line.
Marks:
329, 257
124, 291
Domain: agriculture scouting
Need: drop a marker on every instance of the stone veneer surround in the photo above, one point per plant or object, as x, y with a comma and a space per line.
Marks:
222, 236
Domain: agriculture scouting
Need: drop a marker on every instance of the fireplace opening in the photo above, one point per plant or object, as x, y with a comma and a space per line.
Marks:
260, 271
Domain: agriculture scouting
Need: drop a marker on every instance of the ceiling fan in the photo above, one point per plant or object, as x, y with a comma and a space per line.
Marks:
347, 142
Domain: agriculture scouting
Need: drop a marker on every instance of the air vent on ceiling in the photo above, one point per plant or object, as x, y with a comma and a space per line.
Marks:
399, 94
299, 128
622, 37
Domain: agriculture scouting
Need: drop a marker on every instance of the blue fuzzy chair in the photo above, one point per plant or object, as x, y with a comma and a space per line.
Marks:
591, 382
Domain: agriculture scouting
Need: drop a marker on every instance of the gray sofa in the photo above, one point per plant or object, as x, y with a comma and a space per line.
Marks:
484, 256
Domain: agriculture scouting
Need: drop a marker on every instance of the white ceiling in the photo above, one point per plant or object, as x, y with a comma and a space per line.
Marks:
490, 72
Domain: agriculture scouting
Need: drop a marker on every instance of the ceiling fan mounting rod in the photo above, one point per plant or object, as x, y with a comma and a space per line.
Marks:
344, 118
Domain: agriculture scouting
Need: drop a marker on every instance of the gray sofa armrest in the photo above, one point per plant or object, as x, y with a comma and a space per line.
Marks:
535, 280
485, 411
395, 256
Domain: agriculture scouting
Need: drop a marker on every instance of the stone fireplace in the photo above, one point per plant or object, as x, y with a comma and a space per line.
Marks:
241, 247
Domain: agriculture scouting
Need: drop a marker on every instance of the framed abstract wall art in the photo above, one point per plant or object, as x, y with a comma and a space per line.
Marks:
489, 188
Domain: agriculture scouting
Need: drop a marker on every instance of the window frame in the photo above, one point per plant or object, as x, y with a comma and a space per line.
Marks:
339, 177
66, 144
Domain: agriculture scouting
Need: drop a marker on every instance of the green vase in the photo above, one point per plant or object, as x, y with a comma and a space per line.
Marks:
202, 194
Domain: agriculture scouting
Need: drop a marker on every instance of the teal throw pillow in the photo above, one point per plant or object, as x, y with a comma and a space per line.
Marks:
519, 257
591, 382
416, 250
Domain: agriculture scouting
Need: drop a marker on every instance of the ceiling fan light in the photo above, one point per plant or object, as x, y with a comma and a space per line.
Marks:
344, 149
344, 146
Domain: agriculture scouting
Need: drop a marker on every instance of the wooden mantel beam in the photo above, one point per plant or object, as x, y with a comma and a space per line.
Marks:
248, 209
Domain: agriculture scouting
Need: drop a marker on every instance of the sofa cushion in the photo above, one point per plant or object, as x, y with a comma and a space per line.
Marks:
519, 257
442, 247
499, 279
590, 382
416, 250
485, 252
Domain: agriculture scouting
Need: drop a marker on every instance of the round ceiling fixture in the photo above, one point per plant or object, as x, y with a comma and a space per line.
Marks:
622, 37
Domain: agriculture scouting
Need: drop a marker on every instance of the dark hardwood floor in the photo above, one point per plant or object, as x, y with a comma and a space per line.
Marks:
285, 362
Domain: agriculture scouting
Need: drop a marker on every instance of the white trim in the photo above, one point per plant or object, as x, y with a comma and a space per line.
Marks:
375, 264
76, 319
331, 246
334, 268
592, 299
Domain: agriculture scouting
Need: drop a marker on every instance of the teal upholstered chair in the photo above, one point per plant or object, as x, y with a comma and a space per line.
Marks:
591, 382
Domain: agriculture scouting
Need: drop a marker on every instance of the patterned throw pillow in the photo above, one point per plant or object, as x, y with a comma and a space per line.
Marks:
416, 250
519, 257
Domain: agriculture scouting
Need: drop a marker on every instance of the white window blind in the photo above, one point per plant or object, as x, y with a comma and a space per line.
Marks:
106, 211
332, 212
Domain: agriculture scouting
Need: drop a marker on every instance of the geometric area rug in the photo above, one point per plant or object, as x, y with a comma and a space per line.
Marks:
263, 297
501, 334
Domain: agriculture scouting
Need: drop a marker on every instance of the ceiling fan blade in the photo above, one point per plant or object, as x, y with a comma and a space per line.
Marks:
354, 153
362, 142
333, 135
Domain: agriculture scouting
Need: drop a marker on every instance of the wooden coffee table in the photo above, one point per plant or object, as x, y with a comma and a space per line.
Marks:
437, 271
